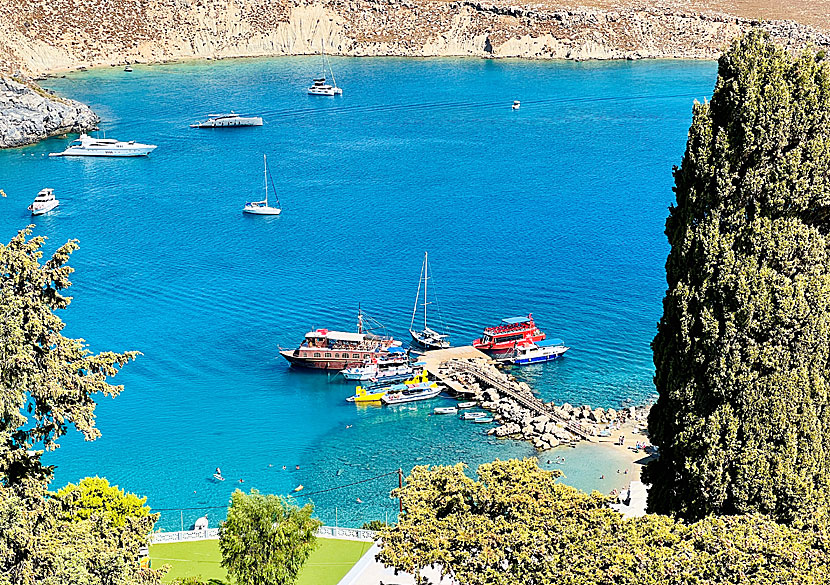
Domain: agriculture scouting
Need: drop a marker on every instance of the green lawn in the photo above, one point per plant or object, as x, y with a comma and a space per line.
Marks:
329, 562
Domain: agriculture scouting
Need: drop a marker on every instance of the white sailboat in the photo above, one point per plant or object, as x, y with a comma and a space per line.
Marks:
427, 337
320, 87
262, 207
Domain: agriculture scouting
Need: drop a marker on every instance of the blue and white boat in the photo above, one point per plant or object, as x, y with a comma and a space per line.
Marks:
541, 351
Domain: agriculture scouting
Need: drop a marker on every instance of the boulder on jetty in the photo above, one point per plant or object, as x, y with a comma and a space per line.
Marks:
28, 114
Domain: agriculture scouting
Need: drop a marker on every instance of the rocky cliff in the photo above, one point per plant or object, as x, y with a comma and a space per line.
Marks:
38, 36
29, 113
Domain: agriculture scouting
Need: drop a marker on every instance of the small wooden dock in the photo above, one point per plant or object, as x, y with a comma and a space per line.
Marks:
436, 358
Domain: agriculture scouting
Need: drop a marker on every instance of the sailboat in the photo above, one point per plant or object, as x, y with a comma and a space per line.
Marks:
320, 86
262, 207
427, 337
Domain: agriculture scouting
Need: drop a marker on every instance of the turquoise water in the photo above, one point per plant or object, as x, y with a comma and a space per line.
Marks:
557, 208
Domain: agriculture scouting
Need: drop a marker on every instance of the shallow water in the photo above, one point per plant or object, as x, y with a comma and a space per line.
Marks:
557, 208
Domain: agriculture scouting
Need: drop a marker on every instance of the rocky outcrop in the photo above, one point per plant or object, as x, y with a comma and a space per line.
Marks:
29, 113
38, 36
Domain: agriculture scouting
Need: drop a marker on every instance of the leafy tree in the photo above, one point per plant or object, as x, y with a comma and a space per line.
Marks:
375, 525
742, 355
94, 496
518, 524
47, 382
265, 539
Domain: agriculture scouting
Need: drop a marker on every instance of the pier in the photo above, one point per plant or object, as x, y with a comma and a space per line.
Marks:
452, 366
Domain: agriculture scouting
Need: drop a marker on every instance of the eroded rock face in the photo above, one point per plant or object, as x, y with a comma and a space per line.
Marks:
29, 113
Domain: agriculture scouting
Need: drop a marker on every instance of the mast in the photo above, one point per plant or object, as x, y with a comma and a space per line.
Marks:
265, 175
417, 298
426, 282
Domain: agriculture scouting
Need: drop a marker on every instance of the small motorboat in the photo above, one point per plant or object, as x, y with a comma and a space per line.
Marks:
470, 404
299, 488
445, 410
262, 207
44, 202
472, 415
128, 69
541, 351
423, 391
483, 420
516, 104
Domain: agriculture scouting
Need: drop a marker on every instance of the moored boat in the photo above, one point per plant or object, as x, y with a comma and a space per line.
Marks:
374, 393
541, 351
445, 410
326, 349
472, 415
44, 202
232, 120
88, 146
320, 87
427, 337
262, 207
505, 338
412, 393
470, 404
483, 420
394, 367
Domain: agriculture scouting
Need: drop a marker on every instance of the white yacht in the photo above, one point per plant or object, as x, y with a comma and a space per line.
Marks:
541, 351
517, 104
88, 146
231, 120
262, 207
44, 202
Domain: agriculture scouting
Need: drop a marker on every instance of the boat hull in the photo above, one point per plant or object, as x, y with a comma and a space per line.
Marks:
42, 210
119, 152
537, 359
262, 211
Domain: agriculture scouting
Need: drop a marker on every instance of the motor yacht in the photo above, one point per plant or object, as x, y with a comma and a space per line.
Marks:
231, 120
44, 202
88, 146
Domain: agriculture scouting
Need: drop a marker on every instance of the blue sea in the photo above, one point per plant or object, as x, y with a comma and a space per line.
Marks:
557, 209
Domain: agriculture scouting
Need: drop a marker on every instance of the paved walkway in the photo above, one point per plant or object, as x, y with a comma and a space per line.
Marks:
367, 571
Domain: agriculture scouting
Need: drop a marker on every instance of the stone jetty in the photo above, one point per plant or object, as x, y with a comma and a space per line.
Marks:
518, 411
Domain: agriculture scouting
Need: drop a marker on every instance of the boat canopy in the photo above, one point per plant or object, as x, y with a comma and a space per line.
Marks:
335, 335
515, 320
396, 349
550, 342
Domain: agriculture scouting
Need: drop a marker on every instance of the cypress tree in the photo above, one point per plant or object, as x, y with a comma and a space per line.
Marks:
742, 352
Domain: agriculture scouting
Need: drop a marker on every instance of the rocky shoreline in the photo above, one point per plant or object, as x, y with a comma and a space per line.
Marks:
29, 113
40, 36
521, 415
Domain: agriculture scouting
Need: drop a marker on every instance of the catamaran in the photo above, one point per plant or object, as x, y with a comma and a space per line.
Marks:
427, 337
320, 87
262, 207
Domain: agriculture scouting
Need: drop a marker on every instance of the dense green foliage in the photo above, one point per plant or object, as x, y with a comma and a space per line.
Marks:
86, 534
94, 496
742, 352
265, 539
518, 524
375, 525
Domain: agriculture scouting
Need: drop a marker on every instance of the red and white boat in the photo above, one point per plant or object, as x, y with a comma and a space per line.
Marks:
326, 349
513, 332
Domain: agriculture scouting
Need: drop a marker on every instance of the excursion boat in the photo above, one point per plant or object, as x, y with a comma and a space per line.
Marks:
394, 367
44, 202
262, 207
231, 120
325, 349
88, 146
501, 340
427, 337
542, 351
376, 392
413, 393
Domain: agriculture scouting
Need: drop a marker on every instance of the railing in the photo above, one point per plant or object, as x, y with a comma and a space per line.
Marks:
213, 534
